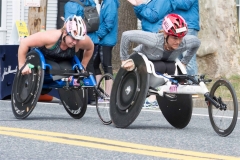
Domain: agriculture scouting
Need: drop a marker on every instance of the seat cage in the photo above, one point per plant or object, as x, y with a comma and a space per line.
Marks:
87, 80
171, 83
157, 79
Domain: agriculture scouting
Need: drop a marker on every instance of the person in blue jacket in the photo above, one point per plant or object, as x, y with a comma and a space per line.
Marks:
107, 35
74, 8
189, 10
151, 13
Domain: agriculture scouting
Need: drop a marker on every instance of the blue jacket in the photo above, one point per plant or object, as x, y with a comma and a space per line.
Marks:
108, 29
189, 10
152, 13
73, 8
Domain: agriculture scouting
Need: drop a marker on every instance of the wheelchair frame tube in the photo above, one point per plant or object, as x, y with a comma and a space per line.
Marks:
183, 89
168, 87
41, 58
88, 81
78, 63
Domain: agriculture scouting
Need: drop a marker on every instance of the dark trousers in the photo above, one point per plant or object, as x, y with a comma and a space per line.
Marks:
103, 55
164, 67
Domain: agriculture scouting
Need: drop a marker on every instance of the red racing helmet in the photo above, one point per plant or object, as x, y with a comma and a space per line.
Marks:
175, 25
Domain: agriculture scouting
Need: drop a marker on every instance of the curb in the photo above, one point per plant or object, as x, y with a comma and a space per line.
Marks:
199, 103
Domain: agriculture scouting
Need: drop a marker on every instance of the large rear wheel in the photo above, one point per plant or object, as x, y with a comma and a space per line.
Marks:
27, 88
129, 93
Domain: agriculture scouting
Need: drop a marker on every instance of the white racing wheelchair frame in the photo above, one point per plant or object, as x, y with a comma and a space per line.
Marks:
174, 96
172, 88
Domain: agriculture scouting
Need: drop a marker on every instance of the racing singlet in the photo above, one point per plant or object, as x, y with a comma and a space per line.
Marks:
55, 53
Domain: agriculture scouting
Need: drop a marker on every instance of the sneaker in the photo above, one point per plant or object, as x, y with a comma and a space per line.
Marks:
154, 104
100, 100
148, 104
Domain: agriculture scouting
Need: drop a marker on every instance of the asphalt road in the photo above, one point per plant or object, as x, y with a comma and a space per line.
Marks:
50, 133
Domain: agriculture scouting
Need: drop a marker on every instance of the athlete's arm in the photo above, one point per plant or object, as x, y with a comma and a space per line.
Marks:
38, 39
88, 47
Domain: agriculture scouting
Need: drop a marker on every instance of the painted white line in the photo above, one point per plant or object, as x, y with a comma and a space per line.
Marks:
194, 114
144, 110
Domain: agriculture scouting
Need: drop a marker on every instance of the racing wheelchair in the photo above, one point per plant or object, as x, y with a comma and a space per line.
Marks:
72, 87
174, 96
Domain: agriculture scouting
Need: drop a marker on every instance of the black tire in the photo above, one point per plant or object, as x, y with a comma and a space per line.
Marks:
129, 92
27, 88
223, 121
104, 105
74, 101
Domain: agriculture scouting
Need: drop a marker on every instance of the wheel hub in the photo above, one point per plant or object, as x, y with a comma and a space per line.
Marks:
127, 91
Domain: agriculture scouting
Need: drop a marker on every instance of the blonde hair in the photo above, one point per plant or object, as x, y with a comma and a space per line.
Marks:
63, 27
161, 31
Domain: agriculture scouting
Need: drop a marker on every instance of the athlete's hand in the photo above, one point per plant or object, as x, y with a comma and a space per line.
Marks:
26, 69
128, 65
135, 2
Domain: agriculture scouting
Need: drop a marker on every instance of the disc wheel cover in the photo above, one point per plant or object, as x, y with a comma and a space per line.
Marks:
124, 110
74, 101
128, 90
27, 88
178, 113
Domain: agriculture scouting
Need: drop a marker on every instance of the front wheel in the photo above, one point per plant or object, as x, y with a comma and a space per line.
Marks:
104, 88
74, 101
224, 118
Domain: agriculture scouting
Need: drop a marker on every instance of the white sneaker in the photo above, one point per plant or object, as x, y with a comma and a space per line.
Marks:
100, 100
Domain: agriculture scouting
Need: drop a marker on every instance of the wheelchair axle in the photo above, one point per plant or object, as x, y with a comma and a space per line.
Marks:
217, 102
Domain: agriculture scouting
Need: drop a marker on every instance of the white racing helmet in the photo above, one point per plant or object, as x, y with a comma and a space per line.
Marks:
76, 27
